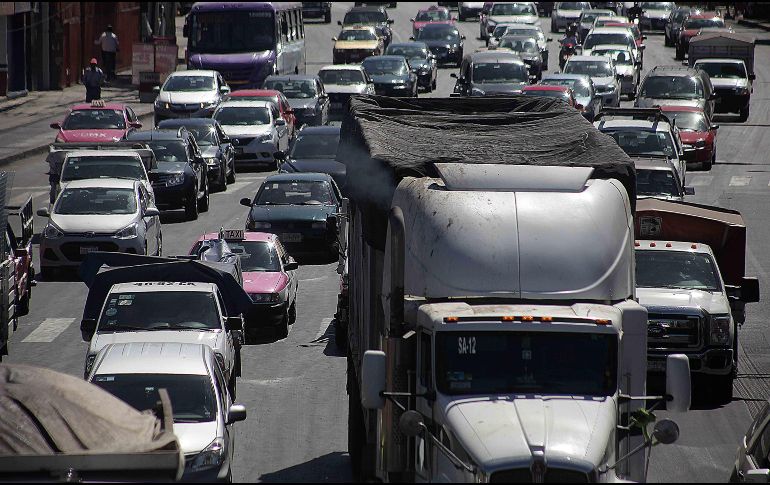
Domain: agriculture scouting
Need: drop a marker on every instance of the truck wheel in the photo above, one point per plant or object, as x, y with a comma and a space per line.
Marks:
328, 17
191, 209
744, 115
282, 330
204, 202
722, 388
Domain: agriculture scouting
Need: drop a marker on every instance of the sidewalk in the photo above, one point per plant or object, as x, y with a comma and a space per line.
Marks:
24, 121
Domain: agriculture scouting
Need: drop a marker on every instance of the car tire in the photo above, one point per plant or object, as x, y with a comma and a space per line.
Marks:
554, 28
708, 164
232, 386
666, 41
679, 54
222, 185
293, 312
231, 177
744, 115
204, 202
22, 307
433, 84
282, 330
191, 209
328, 18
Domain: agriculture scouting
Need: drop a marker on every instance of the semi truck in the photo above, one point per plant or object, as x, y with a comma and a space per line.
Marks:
492, 328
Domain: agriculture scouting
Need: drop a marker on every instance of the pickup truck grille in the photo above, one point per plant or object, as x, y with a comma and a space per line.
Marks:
552, 475
672, 331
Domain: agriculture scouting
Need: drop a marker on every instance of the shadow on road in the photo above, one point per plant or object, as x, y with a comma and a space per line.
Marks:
330, 468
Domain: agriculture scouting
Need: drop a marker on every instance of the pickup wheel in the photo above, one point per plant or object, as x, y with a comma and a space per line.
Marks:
744, 115
191, 209
721, 388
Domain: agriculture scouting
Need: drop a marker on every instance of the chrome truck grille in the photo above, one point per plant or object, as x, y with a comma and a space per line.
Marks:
552, 475
674, 331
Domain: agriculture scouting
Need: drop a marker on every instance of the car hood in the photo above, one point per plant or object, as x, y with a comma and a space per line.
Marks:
345, 88
514, 19
209, 151
187, 97
417, 25
299, 213
168, 167
356, 44
439, 43
652, 102
389, 79
416, 63
501, 88
692, 136
91, 136
713, 303
100, 224
502, 432
226, 62
194, 437
246, 130
264, 281
729, 83
625, 70
300, 103
603, 81
211, 338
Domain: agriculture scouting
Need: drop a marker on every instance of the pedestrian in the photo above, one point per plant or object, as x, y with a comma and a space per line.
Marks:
108, 42
92, 79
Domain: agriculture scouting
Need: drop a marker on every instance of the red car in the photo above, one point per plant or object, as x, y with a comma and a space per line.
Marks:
698, 134
691, 26
98, 122
277, 97
431, 15
562, 92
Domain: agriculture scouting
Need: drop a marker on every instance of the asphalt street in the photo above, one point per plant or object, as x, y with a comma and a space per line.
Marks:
294, 389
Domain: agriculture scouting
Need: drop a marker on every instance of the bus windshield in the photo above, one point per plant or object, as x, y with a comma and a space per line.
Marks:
232, 31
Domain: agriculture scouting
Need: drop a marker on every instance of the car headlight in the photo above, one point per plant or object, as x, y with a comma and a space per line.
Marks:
264, 297
52, 232
128, 232
720, 329
212, 161
162, 104
175, 179
741, 91
90, 363
453, 48
211, 456
260, 225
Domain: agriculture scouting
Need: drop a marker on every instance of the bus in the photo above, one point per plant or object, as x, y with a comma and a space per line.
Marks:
246, 41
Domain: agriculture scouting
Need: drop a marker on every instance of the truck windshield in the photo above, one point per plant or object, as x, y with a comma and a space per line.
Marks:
160, 310
192, 397
79, 168
676, 269
231, 32
578, 364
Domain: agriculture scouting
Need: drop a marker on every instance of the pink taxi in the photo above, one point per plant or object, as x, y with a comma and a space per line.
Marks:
269, 277
431, 15
98, 122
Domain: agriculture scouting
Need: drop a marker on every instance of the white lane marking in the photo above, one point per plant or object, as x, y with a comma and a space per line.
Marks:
252, 177
48, 330
322, 330
737, 181
701, 180
34, 187
313, 279
768, 184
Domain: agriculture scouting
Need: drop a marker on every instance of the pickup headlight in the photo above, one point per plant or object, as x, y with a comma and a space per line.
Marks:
211, 456
52, 232
175, 179
264, 297
720, 329
128, 232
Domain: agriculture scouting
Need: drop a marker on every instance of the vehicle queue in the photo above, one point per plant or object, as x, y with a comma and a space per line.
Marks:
211, 124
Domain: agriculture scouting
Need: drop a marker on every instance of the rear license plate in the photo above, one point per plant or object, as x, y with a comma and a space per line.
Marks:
291, 237
336, 105
656, 366
87, 249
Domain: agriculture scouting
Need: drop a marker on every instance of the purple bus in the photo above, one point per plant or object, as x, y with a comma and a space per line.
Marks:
246, 41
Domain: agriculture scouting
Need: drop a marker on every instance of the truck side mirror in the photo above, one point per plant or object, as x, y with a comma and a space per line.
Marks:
678, 387
87, 329
749, 290
666, 432
411, 423
237, 412
233, 323
689, 190
373, 369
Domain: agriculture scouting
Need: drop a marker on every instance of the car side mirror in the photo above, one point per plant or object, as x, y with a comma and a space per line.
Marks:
411, 37
233, 324
151, 212
44, 212
224, 89
644, 37
391, 21
714, 127
642, 47
339, 22
689, 190
246, 202
749, 290
334, 39
55, 126
411, 20
760, 475
185, 30
462, 37
292, 266
135, 124
373, 372
87, 329
579, 106
237, 412
279, 155
156, 89
752, 77
549, 39
678, 386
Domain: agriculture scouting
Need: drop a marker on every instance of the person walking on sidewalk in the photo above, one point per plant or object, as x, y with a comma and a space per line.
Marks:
109, 44
92, 79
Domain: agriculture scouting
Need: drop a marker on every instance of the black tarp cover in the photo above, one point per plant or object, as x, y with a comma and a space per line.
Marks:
385, 139
101, 270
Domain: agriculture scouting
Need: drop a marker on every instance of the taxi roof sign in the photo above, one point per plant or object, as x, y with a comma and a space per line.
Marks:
234, 234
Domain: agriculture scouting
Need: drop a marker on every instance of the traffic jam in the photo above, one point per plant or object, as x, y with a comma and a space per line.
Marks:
519, 283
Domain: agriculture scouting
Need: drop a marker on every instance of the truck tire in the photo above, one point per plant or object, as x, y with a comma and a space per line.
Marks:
191, 209
721, 388
744, 115
328, 17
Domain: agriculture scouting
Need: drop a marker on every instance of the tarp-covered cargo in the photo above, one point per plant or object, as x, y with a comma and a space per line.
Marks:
385, 139
722, 45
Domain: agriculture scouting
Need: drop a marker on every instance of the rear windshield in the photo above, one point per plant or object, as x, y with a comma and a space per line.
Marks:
607, 39
579, 88
512, 9
657, 183
79, 168
408, 51
341, 77
242, 116
519, 45
439, 32
432, 15
598, 68
644, 142
728, 70
168, 151
160, 310
95, 119
704, 23
376, 66
689, 121
295, 193
293, 89
369, 17
315, 146
490, 73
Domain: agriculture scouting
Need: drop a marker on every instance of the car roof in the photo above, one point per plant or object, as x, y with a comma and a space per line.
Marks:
303, 177
102, 153
182, 122
155, 134
158, 286
247, 236
366, 8
638, 125
588, 59
343, 67
253, 92
87, 106
502, 56
320, 130
609, 30
195, 72
105, 183
662, 245
583, 77
154, 358
237, 103
388, 57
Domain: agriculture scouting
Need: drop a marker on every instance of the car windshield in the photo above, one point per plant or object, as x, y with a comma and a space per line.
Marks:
449, 34
689, 121
493, 72
168, 151
315, 146
189, 83
205, 135
545, 363
512, 9
580, 88
341, 77
295, 193
672, 87
293, 89
192, 397
657, 183
256, 255
676, 269
232, 31
408, 51
656, 6
574, 5
358, 34
368, 17
160, 310
644, 142
728, 70
95, 119
622, 57
376, 66
692, 24
79, 168
95, 201
242, 116
598, 68
608, 38
589, 17
432, 15
519, 45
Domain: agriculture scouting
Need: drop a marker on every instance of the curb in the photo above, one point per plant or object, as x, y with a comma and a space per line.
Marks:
28, 152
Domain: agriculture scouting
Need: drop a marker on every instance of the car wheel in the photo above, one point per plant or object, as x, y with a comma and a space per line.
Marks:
707, 164
554, 28
328, 18
744, 114
204, 202
222, 186
293, 312
433, 84
679, 54
231, 177
47, 273
666, 41
232, 386
191, 209
282, 330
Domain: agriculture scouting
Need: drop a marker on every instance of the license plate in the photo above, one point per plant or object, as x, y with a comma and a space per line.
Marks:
291, 237
87, 249
336, 105
656, 366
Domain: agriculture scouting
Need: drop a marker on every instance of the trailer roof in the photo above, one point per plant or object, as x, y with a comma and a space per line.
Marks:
729, 37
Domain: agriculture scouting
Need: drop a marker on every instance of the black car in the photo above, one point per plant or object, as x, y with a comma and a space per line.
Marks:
306, 96
300, 208
316, 10
525, 47
420, 60
215, 146
391, 76
491, 73
181, 179
444, 42
315, 151
377, 17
